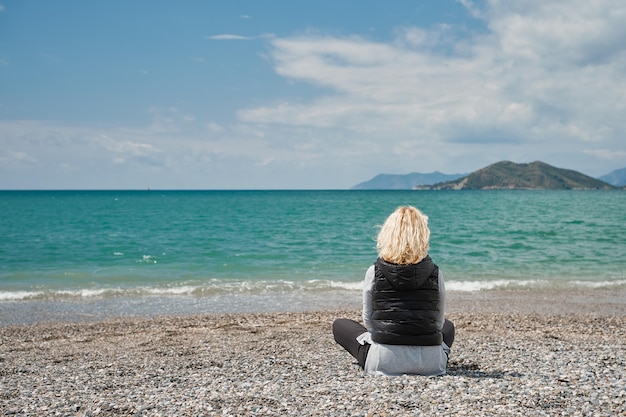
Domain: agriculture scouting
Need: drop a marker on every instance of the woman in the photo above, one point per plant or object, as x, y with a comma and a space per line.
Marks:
403, 304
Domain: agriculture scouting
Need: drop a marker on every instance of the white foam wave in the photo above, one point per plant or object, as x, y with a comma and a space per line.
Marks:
216, 287
355, 286
600, 284
182, 290
85, 293
471, 286
19, 295
147, 259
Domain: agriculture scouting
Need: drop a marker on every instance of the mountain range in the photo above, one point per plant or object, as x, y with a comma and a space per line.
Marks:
616, 178
501, 175
405, 182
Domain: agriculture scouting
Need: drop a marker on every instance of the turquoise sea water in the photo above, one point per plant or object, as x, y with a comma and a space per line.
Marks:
103, 253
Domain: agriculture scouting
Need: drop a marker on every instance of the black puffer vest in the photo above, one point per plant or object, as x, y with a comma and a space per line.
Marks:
406, 303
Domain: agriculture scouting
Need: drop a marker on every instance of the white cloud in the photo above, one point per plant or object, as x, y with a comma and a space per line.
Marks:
229, 37
11, 158
541, 80
606, 154
215, 127
160, 155
67, 168
128, 147
549, 74
233, 37
265, 162
472, 8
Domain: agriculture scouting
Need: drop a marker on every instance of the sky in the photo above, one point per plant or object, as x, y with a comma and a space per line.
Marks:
284, 94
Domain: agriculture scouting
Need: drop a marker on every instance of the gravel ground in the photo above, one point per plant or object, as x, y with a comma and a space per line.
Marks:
510, 363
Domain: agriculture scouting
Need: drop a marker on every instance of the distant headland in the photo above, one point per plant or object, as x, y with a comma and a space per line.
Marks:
503, 175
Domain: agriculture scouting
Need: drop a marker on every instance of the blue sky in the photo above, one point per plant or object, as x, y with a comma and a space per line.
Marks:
305, 95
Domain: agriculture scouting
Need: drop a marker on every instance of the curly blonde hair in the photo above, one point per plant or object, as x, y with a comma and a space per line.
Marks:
404, 237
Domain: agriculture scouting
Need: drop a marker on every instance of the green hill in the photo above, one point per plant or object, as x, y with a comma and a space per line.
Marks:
533, 176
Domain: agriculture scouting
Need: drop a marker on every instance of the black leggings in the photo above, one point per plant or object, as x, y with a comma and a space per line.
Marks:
346, 331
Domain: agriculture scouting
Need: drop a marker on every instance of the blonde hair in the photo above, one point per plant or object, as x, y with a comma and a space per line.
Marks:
404, 237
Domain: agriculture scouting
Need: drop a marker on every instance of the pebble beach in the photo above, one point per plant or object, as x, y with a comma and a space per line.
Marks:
515, 354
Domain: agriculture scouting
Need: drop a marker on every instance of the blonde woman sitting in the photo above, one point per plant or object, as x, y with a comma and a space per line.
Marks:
403, 305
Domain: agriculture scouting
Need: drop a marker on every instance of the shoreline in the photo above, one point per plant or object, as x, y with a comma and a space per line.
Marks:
516, 353
529, 301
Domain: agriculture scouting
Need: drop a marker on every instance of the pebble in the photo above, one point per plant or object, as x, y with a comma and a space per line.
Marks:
287, 364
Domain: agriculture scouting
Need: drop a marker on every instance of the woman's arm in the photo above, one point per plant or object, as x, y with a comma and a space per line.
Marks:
368, 282
442, 299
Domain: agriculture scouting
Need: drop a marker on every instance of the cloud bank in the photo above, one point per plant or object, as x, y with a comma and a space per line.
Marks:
545, 73
538, 80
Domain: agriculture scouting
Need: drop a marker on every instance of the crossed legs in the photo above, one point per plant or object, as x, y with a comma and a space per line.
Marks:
346, 331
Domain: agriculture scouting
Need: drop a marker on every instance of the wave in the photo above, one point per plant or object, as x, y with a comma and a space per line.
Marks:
220, 287
210, 288
537, 284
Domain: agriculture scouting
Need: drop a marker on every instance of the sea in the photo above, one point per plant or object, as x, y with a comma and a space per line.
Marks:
92, 255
